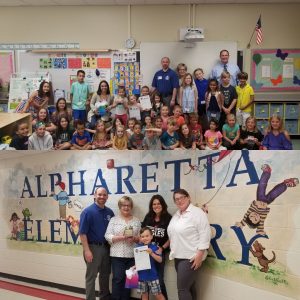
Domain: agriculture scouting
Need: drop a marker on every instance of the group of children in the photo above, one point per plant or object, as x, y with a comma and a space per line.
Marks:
208, 115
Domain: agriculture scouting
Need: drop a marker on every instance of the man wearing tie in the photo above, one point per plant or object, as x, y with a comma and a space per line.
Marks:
224, 65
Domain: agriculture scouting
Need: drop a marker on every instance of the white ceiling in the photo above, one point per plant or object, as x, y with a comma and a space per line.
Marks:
133, 2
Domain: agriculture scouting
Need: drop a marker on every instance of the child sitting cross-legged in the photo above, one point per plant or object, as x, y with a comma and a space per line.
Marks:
81, 139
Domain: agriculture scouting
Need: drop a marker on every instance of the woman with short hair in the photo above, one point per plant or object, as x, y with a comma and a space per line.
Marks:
122, 233
189, 233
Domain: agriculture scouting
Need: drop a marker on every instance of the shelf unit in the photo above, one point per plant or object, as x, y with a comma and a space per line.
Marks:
286, 106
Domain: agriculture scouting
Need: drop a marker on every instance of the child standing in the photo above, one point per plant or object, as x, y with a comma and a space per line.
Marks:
81, 140
250, 137
157, 104
79, 97
136, 140
100, 137
145, 91
276, 138
202, 85
245, 99
213, 100
213, 137
20, 139
134, 108
231, 133
40, 139
38, 99
148, 279
120, 139
229, 95
164, 114
186, 138
121, 105
170, 138
63, 134
188, 96
196, 130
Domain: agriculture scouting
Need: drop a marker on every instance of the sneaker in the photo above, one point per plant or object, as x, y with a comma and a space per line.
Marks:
266, 168
291, 182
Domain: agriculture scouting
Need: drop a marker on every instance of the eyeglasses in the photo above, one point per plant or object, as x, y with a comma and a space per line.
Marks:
180, 198
125, 205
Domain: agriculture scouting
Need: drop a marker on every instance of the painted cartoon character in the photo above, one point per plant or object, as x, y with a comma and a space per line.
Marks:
62, 198
21, 233
14, 220
257, 212
74, 224
258, 252
26, 213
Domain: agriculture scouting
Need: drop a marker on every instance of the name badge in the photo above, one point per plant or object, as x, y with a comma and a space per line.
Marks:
213, 115
159, 77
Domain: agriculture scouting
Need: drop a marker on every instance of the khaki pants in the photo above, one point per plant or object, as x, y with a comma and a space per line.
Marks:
63, 211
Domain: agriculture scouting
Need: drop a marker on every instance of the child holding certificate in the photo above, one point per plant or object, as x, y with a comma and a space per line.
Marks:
148, 279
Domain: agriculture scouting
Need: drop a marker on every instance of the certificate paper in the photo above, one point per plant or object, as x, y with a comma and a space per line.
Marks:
142, 258
145, 102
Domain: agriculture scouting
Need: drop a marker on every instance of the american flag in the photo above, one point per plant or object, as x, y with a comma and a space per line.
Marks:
259, 35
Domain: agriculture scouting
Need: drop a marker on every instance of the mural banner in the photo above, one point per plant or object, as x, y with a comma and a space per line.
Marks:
252, 199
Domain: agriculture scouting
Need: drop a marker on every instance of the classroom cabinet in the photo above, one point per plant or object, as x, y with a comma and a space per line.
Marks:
288, 111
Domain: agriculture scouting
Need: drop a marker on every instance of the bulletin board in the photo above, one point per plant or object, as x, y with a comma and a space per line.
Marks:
275, 70
116, 67
63, 68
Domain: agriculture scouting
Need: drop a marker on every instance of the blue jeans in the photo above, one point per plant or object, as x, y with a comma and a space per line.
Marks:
160, 268
213, 114
119, 266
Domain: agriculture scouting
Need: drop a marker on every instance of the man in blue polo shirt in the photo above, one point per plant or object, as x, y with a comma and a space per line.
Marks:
93, 224
166, 82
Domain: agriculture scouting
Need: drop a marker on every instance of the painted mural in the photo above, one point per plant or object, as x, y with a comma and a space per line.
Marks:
252, 200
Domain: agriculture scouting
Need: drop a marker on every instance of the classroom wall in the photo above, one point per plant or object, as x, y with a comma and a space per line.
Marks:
98, 27
226, 181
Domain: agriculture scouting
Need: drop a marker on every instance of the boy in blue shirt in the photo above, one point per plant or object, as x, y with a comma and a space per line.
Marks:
148, 279
170, 138
79, 97
81, 139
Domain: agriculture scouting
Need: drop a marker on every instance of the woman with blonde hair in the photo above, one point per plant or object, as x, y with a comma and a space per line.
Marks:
122, 233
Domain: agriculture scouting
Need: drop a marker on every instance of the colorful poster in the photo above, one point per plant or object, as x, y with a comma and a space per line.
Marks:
275, 70
104, 63
46, 63
89, 62
60, 63
74, 63
127, 74
6, 68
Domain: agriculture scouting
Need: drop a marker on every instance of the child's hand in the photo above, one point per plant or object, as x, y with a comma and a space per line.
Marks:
149, 250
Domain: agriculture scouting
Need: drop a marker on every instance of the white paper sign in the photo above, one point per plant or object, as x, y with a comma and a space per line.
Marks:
134, 112
142, 258
145, 102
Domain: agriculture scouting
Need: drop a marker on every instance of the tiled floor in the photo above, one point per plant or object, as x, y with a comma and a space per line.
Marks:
12, 290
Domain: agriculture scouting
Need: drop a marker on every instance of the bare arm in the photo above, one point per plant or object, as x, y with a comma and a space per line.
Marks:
88, 255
